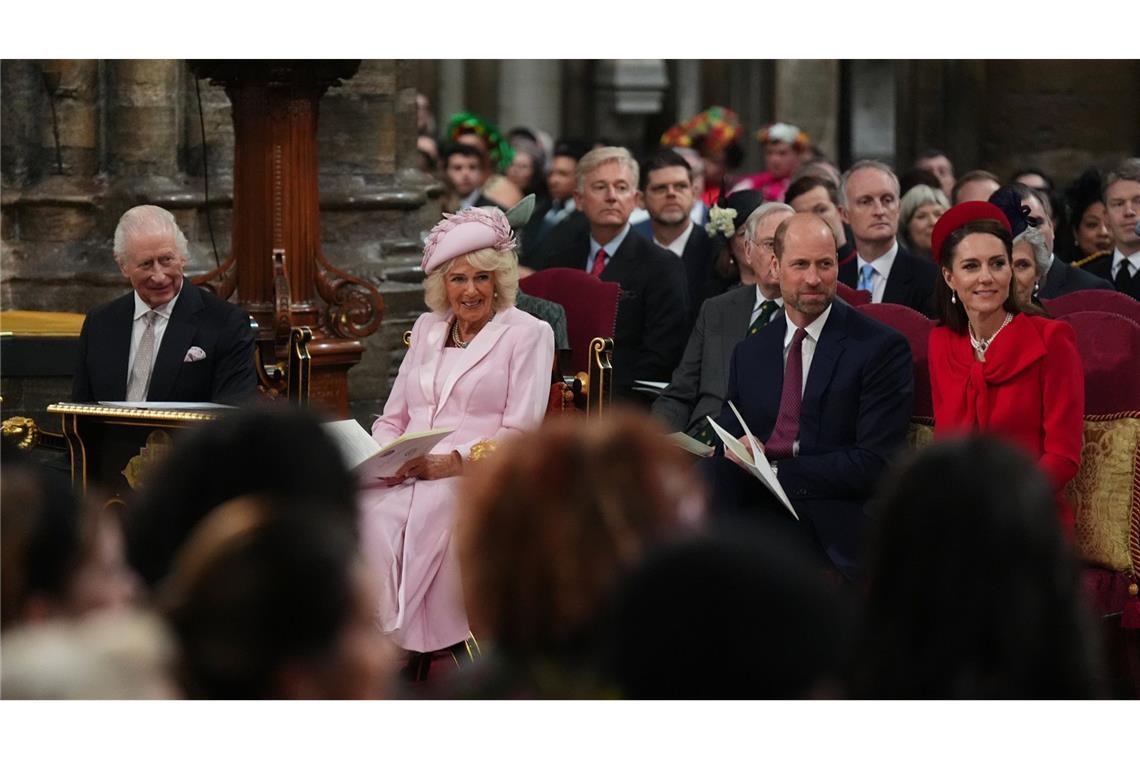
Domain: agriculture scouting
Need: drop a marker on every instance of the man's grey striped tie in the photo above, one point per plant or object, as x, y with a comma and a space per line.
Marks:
139, 381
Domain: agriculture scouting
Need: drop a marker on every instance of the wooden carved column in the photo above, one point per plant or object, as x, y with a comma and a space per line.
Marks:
276, 265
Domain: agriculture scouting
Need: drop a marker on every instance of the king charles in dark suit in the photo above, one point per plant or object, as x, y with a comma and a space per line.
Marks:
831, 438
166, 340
651, 327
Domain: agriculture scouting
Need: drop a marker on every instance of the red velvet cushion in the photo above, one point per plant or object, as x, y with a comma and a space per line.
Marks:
1094, 300
590, 303
916, 327
851, 295
1109, 345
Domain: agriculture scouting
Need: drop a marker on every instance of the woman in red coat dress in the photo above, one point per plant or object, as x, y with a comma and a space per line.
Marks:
992, 368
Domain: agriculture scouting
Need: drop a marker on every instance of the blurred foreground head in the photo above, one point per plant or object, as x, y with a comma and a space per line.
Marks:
553, 520
62, 557
279, 453
272, 603
973, 589
730, 616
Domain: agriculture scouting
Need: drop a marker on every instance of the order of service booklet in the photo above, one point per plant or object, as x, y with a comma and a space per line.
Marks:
360, 450
758, 466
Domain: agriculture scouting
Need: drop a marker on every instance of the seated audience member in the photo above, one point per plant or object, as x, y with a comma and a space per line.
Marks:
667, 186
1055, 277
976, 185
463, 173
732, 615
496, 153
125, 654
698, 384
784, 146
974, 591
821, 168
715, 134
938, 163
268, 602
918, 211
651, 320
62, 557
480, 367
280, 453
821, 196
526, 171
1033, 177
1088, 233
700, 212
163, 341
994, 369
1122, 203
869, 195
547, 528
726, 228
828, 394
556, 217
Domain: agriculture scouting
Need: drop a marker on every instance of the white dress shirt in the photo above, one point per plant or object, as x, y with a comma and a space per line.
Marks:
882, 270
139, 325
678, 245
807, 351
1118, 261
760, 299
610, 248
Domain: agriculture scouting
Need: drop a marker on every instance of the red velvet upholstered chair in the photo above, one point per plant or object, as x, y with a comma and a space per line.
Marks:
916, 328
591, 311
1105, 493
851, 295
1094, 300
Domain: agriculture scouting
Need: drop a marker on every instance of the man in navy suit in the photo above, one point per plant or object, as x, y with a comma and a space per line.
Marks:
826, 390
667, 184
164, 341
869, 199
650, 329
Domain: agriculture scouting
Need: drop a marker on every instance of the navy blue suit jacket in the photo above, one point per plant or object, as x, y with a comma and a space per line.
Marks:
697, 258
911, 282
853, 419
225, 375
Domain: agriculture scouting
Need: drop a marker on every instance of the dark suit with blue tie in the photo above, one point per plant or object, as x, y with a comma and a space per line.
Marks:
911, 282
856, 406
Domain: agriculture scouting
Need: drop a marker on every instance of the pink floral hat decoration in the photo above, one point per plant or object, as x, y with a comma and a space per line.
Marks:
467, 231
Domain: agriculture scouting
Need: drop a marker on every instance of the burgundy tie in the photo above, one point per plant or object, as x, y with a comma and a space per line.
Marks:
599, 263
787, 428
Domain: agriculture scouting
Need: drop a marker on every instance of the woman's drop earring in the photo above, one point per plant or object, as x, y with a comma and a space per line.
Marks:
953, 296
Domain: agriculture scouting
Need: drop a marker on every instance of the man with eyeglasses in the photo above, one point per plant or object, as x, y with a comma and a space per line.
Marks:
650, 331
869, 203
163, 341
698, 385
667, 181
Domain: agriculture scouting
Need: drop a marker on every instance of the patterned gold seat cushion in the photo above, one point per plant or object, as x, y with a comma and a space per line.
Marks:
1105, 494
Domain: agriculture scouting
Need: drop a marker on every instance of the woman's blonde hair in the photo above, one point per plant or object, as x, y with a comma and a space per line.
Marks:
504, 267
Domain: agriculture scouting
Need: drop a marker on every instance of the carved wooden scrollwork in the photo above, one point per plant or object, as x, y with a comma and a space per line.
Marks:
355, 306
222, 281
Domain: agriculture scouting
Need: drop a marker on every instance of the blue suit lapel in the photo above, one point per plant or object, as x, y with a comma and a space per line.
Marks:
179, 336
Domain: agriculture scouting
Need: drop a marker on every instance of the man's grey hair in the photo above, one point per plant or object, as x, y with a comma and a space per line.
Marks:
866, 163
752, 223
147, 220
599, 156
1041, 255
1127, 170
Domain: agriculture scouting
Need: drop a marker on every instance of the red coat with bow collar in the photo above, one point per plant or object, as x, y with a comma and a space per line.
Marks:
1030, 392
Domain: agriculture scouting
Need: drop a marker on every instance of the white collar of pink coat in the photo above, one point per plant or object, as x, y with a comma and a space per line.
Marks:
479, 346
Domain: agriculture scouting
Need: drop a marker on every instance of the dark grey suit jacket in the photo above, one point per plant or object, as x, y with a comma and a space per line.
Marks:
1064, 278
225, 375
699, 383
911, 282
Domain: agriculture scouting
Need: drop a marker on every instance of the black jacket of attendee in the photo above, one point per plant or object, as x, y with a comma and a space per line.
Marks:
221, 371
1100, 265
697, 259
1063, 278
650, 333
538, 243
911, 282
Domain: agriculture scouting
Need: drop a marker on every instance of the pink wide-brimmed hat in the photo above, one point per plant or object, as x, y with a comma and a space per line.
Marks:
467, 231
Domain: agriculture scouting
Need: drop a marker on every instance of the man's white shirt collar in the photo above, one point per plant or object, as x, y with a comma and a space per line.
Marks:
813, 330
163, 311
1118, 258
678, 245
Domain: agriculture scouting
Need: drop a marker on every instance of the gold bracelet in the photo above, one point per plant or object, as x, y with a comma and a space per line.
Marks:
481, 450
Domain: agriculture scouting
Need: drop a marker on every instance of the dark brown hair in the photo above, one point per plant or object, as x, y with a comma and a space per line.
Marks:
953, 315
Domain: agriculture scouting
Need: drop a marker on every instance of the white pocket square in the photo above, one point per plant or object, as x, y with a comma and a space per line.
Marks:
194, 354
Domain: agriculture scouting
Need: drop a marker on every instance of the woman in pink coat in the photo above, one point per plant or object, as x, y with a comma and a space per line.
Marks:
478, 365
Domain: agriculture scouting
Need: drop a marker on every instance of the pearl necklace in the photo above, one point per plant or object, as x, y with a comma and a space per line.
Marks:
455, 334
981, 346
